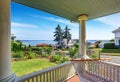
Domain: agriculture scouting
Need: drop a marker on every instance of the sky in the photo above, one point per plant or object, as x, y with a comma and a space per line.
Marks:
32, 24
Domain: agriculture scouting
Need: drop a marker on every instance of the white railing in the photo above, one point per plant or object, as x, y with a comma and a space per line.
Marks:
58, 73
91, 70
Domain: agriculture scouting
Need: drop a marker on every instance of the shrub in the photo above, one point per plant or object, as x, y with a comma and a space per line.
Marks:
19, 55
64, 59
76, 45
111, 50
97, 44
63, 49
90, 52
58, 53
37, 50
72, 52
16, 46
94, 56
31, 55
45, 55
47, 50
55, 58
109, 46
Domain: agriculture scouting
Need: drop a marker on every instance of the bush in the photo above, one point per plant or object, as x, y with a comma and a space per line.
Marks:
55, 58
94, 56
45, 55
16, 46
19, 55
31, 55
72, 52
37, 50
111, 50
64, 59
76, 45
47, 50
97, 44
109, 46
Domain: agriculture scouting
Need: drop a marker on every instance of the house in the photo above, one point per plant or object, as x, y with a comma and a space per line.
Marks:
13, 37
91, 44
101, 45
117, 37
66, 44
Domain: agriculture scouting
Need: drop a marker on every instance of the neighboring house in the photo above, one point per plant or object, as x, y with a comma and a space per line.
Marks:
64, 43
13, 37
75, 41
70, 43
91, 44
101, 45
117, 37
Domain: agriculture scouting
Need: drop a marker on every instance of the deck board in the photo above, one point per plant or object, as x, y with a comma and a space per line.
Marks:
75, 78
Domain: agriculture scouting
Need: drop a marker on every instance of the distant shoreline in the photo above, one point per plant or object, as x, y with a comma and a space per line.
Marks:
35, 42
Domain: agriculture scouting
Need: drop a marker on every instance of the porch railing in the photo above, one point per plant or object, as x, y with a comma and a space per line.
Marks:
58, 73
91, 70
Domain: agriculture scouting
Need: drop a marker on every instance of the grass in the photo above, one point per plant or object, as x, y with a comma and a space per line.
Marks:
96, 49
25, 67
110, 52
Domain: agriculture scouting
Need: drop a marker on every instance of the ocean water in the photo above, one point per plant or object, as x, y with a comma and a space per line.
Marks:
35, 42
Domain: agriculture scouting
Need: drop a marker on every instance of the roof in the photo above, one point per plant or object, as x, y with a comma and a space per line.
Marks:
71, 9
117, 30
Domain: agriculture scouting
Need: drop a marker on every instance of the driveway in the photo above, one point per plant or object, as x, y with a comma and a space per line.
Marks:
115, 59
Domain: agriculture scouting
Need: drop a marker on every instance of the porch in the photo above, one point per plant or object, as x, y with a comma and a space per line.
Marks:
80, 11
98, 70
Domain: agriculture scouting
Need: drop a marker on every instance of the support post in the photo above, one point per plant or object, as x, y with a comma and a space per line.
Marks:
82, 36
5, 39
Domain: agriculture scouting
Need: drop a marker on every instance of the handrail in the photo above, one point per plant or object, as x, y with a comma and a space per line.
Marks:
54, 74
79, 59
94, 70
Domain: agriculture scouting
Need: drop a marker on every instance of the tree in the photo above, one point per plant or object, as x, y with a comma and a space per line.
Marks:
112, 40
67, 34
58, 35
97, 44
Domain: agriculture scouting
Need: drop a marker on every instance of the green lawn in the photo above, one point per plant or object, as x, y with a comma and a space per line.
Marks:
96, 49
25, 67
111, 52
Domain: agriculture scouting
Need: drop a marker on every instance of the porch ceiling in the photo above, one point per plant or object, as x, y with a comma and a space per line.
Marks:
71, 9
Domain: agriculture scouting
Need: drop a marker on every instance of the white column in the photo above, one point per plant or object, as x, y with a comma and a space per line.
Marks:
82, 36
5, 47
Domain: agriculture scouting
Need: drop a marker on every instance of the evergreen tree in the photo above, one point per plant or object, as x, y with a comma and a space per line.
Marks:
67, 34
58, 35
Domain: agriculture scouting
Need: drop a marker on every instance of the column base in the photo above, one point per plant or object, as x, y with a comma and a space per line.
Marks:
83, 57
10, 78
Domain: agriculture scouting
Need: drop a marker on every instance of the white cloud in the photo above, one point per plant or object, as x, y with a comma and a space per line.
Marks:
67, 22
63, 21
32, 34
23, 25
73, 26
113, 20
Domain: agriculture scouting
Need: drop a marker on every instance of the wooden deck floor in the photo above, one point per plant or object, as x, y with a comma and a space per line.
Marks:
89, 77
73, 79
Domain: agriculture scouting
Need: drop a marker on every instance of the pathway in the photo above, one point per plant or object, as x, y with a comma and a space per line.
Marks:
115, 59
